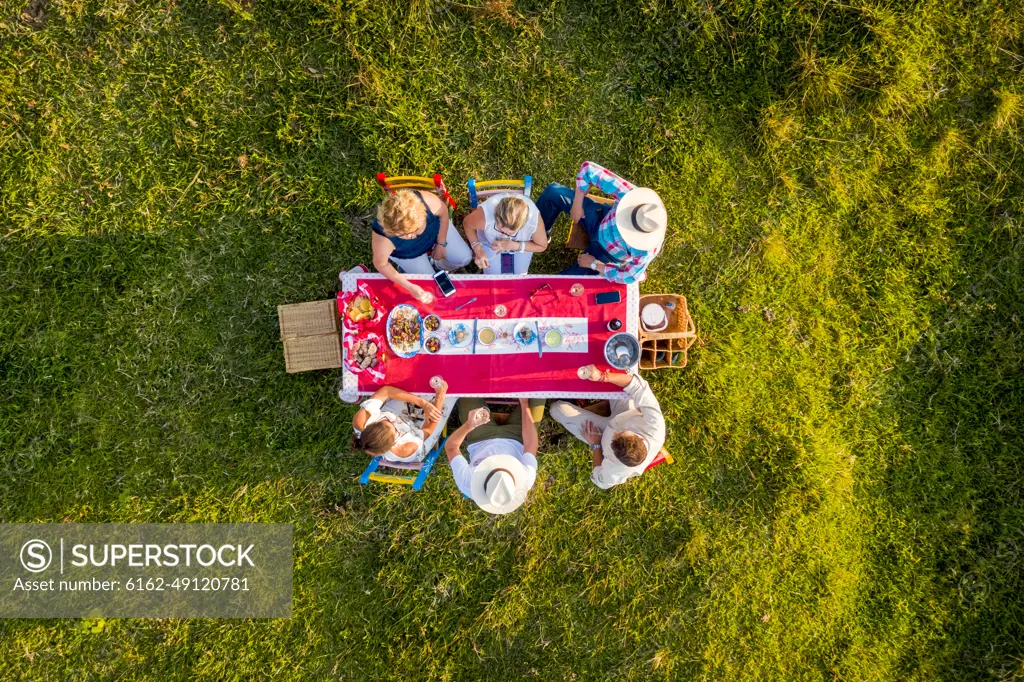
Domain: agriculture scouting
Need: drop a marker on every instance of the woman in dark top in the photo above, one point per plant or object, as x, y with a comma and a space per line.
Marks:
410, 227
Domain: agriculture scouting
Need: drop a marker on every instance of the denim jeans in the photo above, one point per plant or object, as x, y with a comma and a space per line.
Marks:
556, 199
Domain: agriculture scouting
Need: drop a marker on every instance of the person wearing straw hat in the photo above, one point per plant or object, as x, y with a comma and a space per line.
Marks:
624, 236
502, 463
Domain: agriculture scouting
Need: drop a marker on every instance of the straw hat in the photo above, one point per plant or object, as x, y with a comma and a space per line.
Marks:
641, 218
499, 484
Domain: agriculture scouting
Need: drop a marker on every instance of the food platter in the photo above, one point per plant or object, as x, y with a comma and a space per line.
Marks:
405, 330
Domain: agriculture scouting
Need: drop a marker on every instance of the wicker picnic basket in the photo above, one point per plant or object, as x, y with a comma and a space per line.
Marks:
674, 341
310, 335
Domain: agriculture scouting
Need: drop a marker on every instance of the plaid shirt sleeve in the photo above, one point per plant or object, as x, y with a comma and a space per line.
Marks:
593, 175
629, 271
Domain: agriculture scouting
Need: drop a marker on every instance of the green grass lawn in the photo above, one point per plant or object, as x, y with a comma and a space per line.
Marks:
845, 184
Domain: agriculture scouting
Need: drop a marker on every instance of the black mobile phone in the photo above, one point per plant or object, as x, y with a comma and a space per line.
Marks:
508, 263
444, 283
607, 297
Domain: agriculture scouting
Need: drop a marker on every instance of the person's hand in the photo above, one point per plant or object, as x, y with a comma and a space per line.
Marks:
480, 257
576, 212
595, 373
591, 433
440, 252
502, 245
421, 295
585, 259
479, 417
431, 412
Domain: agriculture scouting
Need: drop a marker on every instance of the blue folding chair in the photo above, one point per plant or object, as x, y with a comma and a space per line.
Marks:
486, 188
422, 469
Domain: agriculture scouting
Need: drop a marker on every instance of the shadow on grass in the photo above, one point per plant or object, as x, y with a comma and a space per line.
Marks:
950, 523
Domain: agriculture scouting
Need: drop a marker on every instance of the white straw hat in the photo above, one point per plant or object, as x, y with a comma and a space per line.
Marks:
499, 484
641, 218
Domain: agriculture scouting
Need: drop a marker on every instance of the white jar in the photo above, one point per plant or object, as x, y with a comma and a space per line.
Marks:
653, 317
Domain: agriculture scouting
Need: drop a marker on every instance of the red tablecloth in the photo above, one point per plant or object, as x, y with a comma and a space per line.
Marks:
515, 375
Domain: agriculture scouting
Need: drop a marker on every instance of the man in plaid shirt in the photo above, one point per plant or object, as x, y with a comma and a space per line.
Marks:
624, 236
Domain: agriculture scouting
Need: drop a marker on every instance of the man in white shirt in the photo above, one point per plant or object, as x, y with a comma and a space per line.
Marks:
626, 442
502, 465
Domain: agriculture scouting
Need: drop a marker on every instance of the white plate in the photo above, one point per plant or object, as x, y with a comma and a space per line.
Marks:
466, 341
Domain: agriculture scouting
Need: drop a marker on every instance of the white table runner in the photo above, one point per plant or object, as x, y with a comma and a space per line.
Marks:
573, 330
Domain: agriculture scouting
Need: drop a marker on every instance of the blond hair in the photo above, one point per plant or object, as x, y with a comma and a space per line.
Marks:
401, 213
512, 212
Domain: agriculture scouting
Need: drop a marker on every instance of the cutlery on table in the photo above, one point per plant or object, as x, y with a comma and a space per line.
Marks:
474, 333
540, 346
460, 307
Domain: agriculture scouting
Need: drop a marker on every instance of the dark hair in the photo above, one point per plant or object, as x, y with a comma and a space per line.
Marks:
629, 449
376, 439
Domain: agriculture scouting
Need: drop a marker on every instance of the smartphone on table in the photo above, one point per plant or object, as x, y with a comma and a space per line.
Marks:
607, 297
444, 283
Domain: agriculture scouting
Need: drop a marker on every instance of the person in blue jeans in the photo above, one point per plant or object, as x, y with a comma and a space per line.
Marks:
624, 236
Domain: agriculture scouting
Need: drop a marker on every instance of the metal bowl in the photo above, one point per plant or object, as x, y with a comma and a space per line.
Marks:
622, 350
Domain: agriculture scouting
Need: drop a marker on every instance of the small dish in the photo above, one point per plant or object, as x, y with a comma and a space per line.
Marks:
553, 338
432, 344
486, 336
431, 323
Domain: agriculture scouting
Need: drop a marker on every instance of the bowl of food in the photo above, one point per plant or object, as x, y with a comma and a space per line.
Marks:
364, 354
405, 330
524, 334
431, 323
486, 336
432, 344
460, 335
552, 338
359, 308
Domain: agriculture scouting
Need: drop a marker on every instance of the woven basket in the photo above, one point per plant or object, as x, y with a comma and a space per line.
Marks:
307, 319
310, 335
674, 340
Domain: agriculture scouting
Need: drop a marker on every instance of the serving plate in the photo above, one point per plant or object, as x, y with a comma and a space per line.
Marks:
405, 350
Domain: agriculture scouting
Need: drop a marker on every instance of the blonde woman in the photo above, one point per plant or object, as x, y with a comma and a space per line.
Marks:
411, 227
505, 223
389, 423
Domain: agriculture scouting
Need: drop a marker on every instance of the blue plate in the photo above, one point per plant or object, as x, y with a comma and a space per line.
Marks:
405, 352
467, 337
524, 335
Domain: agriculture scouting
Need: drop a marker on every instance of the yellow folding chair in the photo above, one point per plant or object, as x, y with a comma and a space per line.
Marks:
393, 183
